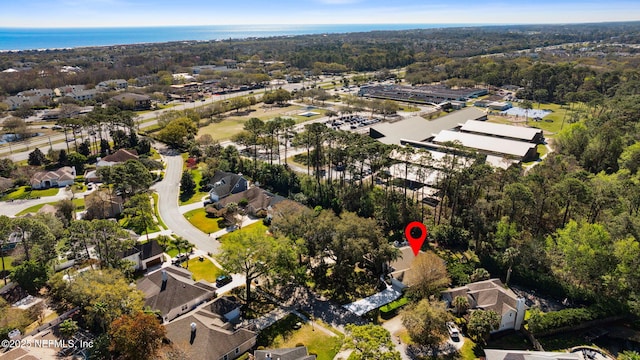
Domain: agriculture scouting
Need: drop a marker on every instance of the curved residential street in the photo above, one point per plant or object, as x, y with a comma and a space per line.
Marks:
11, 208
169, 210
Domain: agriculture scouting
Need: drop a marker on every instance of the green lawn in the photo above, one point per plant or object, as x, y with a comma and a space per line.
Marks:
8, 263
233, 124
468, 350
199, 219
283, 335
31, 209
550, 124
172, 253
257, 224
157, 212
204, 270
79, 204
25, 192
198, 195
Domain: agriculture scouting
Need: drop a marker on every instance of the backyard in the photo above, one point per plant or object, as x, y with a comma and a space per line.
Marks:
283, 334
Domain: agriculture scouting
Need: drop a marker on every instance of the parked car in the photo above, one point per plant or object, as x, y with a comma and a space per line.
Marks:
223, 280
453, 331
180, 259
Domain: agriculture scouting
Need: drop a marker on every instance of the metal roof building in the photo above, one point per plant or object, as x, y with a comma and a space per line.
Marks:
520, 150
519, 133
419, 129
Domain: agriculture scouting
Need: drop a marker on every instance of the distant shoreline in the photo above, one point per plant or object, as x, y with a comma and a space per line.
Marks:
42, 39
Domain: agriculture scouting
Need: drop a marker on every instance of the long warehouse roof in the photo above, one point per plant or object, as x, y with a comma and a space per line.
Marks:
486, 143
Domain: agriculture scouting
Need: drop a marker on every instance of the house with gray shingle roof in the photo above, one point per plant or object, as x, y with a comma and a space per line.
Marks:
493, 295
207, 334
172, 291
224, 184
297, 353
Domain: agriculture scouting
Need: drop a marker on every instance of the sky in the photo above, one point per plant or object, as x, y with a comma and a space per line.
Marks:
125, 13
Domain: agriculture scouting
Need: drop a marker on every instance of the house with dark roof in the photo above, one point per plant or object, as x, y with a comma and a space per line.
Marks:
102, 204
207, 334
257, 199
297, 353
48, 179
493, 295
143, 256
224, 184
133, 101
493, 354
117, 157
172, 291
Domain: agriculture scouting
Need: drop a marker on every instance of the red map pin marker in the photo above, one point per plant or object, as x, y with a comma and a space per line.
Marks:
415, 241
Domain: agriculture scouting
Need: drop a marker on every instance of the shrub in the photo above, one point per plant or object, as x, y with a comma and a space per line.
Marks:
540, 322
389, 310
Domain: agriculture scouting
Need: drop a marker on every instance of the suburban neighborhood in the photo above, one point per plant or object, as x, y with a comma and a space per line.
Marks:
245, 208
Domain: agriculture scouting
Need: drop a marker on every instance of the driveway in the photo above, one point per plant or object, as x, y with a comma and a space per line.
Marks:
169, 210
330, 313
394, 326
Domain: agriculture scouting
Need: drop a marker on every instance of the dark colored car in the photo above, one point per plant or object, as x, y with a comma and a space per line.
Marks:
223, 280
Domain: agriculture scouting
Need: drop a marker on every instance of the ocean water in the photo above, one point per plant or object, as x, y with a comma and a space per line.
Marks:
57, 38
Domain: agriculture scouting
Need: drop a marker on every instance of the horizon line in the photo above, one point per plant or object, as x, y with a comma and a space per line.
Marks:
434, 24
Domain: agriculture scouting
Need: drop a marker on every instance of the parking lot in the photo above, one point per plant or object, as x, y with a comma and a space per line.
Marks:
351, 122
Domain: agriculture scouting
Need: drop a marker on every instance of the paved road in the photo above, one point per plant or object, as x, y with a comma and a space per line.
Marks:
168, 190
11, 208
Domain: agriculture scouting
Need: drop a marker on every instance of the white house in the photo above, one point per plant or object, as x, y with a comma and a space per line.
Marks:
59, 178
492, 295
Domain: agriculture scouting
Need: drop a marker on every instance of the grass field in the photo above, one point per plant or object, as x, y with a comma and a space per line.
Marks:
204, 270
550, 124
233, 124
283, 335
199, 219
25, 192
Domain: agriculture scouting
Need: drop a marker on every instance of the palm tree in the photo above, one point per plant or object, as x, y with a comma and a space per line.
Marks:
461, 304
526, 105
179, 243
255, 127
287, 125
509, 257
479, 274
